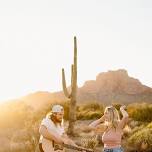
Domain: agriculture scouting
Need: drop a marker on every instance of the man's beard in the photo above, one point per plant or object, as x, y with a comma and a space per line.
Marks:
55, 120
58, 120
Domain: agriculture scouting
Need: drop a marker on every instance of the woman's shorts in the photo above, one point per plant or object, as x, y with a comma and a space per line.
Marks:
113, 150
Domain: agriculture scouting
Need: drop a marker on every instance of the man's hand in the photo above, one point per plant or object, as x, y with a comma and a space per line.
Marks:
68, 141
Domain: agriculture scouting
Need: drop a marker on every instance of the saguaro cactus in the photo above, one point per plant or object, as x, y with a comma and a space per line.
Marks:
71, 95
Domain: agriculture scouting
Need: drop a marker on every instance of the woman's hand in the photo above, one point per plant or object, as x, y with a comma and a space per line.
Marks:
123, 107
97, 122
123, 111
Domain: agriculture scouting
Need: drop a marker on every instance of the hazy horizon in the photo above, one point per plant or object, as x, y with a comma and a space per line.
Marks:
36, 42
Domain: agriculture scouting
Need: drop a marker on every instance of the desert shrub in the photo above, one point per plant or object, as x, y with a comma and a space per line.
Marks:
87, 115
142, 136
141, 112
89, 142
149, 125
14, 114
92, 106
90, 111
23, 140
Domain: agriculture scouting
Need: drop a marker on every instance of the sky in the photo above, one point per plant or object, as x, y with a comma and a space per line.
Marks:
36, 42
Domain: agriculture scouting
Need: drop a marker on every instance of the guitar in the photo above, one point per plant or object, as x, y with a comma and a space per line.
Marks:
52, 146
77, 148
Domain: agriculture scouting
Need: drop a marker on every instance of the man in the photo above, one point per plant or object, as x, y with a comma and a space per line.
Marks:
52, 131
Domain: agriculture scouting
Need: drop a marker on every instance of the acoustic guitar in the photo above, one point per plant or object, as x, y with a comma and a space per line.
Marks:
52, 146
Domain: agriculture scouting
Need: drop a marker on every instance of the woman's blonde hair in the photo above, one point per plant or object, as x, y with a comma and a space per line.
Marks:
114, 117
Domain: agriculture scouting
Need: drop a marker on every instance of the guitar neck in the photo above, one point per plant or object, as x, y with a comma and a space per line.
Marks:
77, 148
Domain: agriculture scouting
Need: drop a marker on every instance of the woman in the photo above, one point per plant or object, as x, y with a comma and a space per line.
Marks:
112, 128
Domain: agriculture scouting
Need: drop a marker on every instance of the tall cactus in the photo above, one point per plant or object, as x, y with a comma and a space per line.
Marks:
71, 95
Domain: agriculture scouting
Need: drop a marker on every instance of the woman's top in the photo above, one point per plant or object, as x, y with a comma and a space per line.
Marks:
112, 137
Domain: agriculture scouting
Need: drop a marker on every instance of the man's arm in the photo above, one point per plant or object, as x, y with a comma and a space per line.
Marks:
50, 135
69, 141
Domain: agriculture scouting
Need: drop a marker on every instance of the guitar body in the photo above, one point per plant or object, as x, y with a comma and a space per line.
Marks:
47, 146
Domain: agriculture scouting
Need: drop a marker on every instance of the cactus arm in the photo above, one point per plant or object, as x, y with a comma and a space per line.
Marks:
75, 66
66, 93
72, 72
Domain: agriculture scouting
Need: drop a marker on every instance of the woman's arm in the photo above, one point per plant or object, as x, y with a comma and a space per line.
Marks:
125, 116
98, 125
97, 122
124, 112
100, 128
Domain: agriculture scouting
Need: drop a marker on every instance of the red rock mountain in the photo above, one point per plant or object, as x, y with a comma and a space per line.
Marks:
115, 86
112, 86
108, 87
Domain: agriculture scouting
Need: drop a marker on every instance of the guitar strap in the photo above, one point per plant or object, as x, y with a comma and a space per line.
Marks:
40, 147
53, 143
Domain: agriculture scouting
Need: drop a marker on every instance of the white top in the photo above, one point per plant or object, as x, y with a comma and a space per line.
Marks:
48, 123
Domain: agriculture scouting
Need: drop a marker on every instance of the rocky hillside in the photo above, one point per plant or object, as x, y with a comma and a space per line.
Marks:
115, 86
112, 86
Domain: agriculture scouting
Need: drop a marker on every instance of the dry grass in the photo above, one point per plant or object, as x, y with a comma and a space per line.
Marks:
19, 130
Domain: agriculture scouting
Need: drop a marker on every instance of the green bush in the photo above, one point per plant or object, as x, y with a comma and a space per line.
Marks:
143, 135
87, 115
141, 112
93, 110
92, 106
